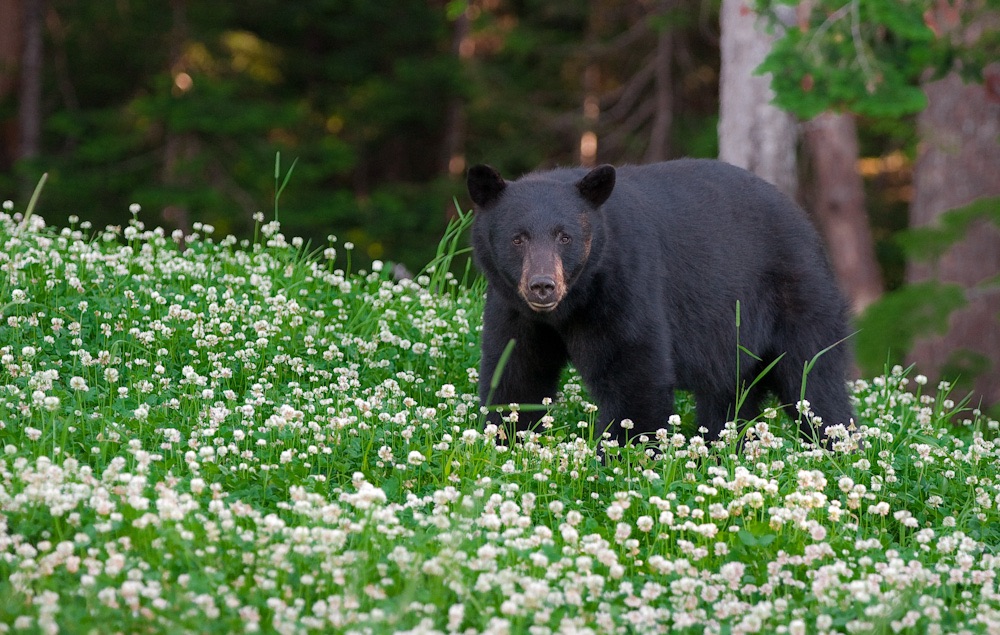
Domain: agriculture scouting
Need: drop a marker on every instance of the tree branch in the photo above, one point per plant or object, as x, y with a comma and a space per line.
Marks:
629, 94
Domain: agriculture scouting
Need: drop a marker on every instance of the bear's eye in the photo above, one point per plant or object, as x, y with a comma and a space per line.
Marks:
564, 239
518, 240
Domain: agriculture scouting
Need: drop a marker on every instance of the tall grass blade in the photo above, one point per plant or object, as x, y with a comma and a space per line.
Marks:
277, 174
498, 371
32, 202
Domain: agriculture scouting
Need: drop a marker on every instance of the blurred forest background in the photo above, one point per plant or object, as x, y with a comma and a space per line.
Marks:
882, 117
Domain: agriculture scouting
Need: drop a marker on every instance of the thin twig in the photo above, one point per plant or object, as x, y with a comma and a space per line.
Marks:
829, 22
859, 45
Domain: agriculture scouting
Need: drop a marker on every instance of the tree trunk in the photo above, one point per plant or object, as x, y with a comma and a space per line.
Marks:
454, 131
30, 101
178, 147
10, 62
663, 115
958, 163
591, 113
839, 207
753, 134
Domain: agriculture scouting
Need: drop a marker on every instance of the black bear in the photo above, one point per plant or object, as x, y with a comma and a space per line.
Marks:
633, 275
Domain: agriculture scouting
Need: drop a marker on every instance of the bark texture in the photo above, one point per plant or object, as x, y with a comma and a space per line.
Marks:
10, 62
753, 133
838, 205
959, 162
30, 97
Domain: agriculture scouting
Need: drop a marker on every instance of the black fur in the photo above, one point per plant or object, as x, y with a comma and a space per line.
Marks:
654, 259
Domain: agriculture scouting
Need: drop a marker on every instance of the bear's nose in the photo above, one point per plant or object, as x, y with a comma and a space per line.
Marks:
542, 286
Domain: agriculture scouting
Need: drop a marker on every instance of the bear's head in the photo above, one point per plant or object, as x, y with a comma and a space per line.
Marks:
535, 234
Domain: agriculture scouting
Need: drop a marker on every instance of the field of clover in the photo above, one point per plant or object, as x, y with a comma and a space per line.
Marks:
210, 435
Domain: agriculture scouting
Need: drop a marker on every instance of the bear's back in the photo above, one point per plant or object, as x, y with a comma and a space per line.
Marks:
713, 208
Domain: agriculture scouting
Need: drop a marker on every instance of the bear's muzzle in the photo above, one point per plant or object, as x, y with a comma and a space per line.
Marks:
542, 284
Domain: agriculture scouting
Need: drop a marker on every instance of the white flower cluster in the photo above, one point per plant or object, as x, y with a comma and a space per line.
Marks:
239, 437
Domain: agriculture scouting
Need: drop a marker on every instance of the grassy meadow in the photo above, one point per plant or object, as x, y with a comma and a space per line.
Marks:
205, 435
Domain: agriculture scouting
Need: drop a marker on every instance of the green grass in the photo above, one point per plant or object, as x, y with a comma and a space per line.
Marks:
238, 436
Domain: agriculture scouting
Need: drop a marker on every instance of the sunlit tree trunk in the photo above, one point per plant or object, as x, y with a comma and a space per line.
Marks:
591, 113
753, 134
958, 163
838, 205
590, 84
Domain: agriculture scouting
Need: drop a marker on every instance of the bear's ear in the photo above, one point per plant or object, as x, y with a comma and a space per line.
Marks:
597, 185
485, 185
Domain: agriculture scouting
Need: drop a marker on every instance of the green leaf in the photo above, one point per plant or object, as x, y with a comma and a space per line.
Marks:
931, 242
747, 538
888, 328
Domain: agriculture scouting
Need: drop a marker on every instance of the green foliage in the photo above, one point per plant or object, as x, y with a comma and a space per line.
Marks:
181, 107
889, 327
865, 56
200, 100
930, 242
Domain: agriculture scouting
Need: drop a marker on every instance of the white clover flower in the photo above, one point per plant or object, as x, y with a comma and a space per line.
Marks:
18, 296
415, 458
78, 383
644, 523
569, 534
925, 535
879, 509
134, 208
732, 573
456, 614
8, 205
447, 391
622, 531
817, 532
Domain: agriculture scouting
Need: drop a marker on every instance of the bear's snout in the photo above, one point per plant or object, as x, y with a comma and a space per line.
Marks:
542, 293
542, 286
543, 290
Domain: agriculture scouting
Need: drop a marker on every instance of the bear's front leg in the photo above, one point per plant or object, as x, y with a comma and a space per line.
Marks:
629, 381
531, 373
